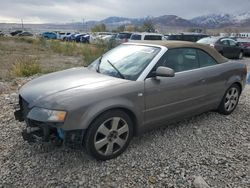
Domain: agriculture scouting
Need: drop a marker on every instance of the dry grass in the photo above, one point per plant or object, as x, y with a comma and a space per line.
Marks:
25, 66
26, 56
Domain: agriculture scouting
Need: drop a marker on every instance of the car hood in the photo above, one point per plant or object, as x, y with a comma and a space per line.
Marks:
62, 81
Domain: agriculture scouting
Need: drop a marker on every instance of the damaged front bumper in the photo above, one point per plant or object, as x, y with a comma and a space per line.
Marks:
41, 132
38, 131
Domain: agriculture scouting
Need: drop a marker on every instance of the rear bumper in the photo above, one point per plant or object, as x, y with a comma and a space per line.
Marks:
247, 51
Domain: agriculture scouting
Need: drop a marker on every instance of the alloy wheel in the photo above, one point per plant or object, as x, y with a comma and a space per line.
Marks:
111, 136
231, 99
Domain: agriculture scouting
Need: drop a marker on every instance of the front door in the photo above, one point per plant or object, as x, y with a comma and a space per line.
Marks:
168, 98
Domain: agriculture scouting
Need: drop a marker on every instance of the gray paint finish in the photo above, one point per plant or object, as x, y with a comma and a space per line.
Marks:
85, 94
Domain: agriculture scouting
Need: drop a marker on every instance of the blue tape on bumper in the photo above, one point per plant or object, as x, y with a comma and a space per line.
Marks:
60, 133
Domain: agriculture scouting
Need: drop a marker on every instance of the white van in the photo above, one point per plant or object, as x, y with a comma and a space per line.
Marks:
146, 36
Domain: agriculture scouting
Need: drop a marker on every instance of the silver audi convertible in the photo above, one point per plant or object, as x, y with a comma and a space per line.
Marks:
133, 88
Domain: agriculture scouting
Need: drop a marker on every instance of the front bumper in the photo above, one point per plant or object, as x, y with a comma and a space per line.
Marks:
45, 133
37, 131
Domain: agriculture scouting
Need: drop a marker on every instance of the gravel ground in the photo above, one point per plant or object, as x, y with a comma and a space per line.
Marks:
209, 147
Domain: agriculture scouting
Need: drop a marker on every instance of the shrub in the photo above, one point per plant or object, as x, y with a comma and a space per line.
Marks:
26, 39
92, 52
25, 66
64, 48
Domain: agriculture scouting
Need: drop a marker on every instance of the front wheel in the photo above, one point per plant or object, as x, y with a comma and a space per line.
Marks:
230, 100
109, 135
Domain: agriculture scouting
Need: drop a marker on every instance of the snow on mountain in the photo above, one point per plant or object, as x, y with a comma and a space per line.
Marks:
241, 17
221, 20
208, 21
213, 20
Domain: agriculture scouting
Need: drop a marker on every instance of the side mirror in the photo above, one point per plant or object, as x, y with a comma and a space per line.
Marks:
164, 72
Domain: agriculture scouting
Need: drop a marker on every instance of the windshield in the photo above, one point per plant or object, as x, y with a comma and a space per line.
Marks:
135, 37
126, 60
124, 35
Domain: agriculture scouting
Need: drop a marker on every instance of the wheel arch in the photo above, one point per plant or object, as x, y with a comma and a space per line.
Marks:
235, 80
239, 85
92, 114
128, 111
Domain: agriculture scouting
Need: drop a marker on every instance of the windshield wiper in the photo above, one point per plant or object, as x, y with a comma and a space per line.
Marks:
120, 74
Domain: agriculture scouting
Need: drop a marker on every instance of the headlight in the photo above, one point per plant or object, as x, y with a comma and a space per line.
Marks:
42, 114
56, 115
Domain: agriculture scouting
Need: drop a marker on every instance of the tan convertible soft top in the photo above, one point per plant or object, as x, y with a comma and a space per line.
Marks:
183, 44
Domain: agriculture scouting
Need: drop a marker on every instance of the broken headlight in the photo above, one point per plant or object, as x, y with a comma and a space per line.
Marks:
46, 115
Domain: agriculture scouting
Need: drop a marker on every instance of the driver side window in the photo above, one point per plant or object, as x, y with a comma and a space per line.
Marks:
180, 59
232, 43
224, 42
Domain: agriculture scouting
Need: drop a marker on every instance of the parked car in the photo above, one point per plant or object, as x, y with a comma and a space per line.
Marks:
2, 34
192, 37
49, 35
101, 37
146, 36
70, 37
14, 33
133, 88
226, 46
62, 35
123, 37
25, 34
85, 38
245, 45
79, 36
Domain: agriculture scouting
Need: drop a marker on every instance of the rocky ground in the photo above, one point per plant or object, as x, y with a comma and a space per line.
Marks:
209, 149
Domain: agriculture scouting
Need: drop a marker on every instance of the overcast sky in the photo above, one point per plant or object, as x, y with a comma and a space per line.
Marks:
47, 11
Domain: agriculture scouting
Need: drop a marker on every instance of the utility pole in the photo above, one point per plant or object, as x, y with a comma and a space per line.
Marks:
22, 23
83, 24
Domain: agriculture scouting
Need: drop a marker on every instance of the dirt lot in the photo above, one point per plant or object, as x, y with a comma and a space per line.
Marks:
210, 145
50, 55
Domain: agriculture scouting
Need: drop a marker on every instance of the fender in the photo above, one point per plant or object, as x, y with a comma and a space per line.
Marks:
95, 110
234, 79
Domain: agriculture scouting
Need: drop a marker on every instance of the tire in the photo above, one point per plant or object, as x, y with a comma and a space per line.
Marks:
109, 135
230, 100
240, 56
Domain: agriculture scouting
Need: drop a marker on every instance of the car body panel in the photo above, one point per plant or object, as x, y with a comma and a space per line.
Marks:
85, 94
174, 95
58, 82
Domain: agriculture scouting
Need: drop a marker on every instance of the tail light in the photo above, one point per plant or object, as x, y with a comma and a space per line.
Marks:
247, 45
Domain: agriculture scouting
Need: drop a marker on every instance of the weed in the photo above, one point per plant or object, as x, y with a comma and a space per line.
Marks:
25, 66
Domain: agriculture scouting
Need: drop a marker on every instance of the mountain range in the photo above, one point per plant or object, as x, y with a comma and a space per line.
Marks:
207, 21
211, 21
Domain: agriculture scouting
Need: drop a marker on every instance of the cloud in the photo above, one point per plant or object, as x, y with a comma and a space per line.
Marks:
76, 10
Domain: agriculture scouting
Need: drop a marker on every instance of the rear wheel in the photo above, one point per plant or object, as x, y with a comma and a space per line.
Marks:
230, 100
109, 135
